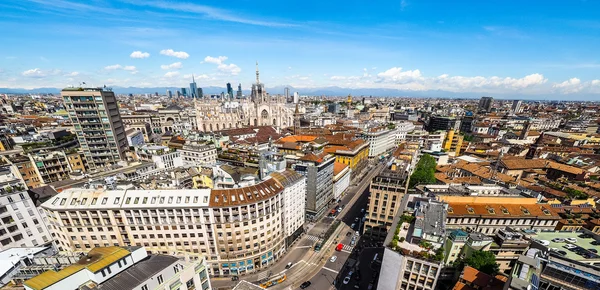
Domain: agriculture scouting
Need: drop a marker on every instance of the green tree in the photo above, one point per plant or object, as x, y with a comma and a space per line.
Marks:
483, 261
424, 171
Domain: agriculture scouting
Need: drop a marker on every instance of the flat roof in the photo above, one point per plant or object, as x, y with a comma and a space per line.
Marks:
11, 256
584, 243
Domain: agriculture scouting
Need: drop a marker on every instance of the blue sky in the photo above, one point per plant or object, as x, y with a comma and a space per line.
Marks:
496, 47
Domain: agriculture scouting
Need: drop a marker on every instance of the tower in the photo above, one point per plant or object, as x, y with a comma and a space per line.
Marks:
193, 88
229, 91
239, 92
97, 121
525, 131
258, 94
535, 148
297, 120
349, 113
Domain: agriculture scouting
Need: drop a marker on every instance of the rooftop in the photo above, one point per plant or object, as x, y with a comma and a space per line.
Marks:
96, 260
139, 272
581, 242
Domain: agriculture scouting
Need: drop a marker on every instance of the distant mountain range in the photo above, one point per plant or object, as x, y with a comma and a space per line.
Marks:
326, 91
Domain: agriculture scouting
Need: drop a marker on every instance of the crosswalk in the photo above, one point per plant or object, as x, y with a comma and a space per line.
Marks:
313, 238
348, 248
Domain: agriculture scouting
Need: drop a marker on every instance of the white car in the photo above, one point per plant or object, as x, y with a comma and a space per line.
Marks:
332, 259
346, 280
571, 240
569, 246
558, 240
357, 234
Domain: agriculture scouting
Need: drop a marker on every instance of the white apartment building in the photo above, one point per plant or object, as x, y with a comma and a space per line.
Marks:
135, 137
406, 272
402, 128
239, 230
163, 156
293, 199
341, 179
125, 268
381, 140
21, 224
203, 154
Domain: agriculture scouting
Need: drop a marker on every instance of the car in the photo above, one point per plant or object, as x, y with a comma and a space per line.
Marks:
346, 280
362, 210
563, 253
352, 225
289, 265
571, 240
593, 250
595, 243
332, 259
542, 242
357, 286
357, 233
569, 246
585, 236
355, 219
370, 287
558, 240
352, 243
305, 285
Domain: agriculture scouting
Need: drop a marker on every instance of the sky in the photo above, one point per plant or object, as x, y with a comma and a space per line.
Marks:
519, 48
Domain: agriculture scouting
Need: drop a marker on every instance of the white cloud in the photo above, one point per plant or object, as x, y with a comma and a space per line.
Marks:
596, 83
171, 74
397, 75
72, 74
230, 69
215, 60
337, 78
177, 54
113, 67
572, 85
39, 73
129, 68
175, 65
139, 54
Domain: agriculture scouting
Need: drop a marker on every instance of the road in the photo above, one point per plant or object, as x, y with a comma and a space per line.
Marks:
309, 264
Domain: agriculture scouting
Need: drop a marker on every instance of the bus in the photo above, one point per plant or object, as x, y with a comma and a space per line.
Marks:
339, 247
278, 279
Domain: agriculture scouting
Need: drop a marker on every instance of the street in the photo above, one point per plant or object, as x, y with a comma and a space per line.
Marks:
308, 264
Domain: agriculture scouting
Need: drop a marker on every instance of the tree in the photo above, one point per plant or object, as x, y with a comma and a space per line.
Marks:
424, 171
483, 261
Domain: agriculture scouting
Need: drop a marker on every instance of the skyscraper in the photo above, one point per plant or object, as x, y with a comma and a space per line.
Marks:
184, 92
169, 94
239, 91
95, 115
229, 91
485, 104
199, 93
516, 106
286, 92
296, 97
193, 88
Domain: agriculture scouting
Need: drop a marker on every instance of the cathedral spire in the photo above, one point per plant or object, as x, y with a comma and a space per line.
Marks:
257, 80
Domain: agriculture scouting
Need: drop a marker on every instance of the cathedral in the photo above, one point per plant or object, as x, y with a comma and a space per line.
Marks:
260, 109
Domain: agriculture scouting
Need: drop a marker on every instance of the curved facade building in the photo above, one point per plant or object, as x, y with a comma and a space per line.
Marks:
239, 230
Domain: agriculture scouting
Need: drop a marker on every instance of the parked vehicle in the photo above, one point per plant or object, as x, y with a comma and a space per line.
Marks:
305, 285
332, 259
289, 265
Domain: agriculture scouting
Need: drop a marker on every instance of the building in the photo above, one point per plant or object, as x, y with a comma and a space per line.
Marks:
296, 98
453, 142
402, 129
516, 106
430, 222
198, 154
193, 88
471, 278
95, 115
318, 169
162, 156
485, 104
441, 123
134, 138
333, 108
125, 268
184, 92
15, 260
354, 153
77, 161
387, 190
261, 109
239, 230
406, 265
381, 140
488, 214
27, 169
51, 166
294, 193
21, 222
341, 179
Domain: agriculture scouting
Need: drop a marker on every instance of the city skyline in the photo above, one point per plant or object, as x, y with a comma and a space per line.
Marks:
410, 46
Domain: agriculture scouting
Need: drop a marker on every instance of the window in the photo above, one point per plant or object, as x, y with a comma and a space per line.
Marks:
94, 200
103, 274
160, 279
176, 268
125, 261
104, 200
145, 287
117, 199
108, 270
128, 200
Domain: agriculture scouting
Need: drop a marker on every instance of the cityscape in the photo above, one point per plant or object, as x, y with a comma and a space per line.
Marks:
138, 166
